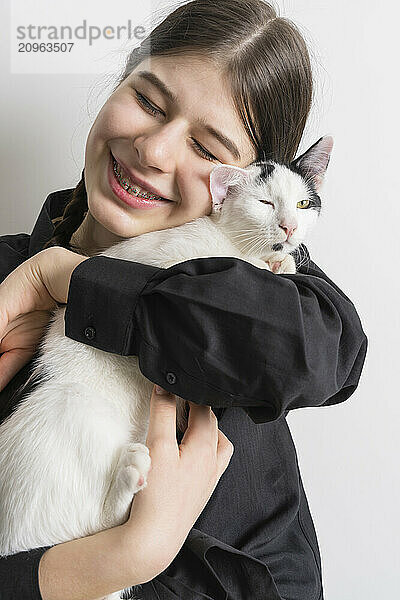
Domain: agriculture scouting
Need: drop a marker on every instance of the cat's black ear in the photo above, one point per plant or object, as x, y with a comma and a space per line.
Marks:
312, 164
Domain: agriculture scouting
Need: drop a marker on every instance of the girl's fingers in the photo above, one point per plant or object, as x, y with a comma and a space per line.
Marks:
202, 426
225, 451
10, 363
3, 319
24, 291
162, 422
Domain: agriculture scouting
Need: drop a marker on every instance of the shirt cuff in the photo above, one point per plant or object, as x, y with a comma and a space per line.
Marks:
99, 285
19, 575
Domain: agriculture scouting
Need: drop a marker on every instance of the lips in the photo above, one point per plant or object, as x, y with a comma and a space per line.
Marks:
146, 187
134, 200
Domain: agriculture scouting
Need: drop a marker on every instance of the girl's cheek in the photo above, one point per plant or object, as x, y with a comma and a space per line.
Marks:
118, 119
195, 196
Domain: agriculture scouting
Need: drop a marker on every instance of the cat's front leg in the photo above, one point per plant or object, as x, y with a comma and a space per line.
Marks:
280, 262
259, 262
287, 265
130, 477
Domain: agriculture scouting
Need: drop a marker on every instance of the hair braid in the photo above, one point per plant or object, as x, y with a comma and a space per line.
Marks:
72, 217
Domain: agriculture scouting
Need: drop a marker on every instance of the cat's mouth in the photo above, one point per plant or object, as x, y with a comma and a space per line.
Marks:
287, 245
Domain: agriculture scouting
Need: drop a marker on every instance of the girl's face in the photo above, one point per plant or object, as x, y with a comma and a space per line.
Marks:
164, 139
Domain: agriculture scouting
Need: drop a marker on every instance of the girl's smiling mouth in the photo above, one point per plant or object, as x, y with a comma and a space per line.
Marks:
127, 190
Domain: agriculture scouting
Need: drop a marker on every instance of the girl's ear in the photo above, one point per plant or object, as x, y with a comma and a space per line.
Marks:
313, 162
222, 177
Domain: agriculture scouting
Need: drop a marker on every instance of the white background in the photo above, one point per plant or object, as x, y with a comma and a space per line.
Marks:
348, 454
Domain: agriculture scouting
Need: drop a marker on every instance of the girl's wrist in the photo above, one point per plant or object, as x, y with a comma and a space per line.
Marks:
91, 567
150, 552
142, 556
56, 265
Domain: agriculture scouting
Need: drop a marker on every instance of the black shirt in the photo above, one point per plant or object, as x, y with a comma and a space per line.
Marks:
249, 343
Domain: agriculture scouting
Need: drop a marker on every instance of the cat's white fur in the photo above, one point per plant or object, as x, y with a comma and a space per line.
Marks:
72, 452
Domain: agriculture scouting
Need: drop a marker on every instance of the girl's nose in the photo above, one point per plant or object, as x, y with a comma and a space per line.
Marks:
158, 148
153, 152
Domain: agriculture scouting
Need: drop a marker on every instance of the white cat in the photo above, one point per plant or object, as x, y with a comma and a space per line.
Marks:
72, 454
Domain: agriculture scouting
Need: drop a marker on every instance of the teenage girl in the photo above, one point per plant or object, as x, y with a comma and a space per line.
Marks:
215, 82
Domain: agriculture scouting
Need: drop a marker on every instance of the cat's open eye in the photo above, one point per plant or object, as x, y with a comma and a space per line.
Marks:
303, 204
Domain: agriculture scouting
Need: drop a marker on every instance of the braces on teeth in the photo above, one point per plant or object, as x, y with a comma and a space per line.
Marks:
128, 187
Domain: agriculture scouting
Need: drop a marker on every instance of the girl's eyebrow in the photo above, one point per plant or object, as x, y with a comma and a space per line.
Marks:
165, 90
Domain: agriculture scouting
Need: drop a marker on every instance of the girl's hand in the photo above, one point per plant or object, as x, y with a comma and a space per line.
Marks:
27, 296
20, 340
179, 484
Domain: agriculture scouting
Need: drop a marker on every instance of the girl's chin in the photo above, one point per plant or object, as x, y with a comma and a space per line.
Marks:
113, 223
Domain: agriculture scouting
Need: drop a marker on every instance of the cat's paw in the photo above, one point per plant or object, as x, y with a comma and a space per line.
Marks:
260, 263
134, 467
281, 262
287, 265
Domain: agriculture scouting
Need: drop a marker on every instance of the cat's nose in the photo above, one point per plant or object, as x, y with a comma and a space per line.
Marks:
288, 228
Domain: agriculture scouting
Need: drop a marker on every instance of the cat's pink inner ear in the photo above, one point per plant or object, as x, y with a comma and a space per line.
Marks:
218, 187
221, 178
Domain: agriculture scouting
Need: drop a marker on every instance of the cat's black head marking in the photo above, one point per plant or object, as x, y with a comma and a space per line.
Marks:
266, 169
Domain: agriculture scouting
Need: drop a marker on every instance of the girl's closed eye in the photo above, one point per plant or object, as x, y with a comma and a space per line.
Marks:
147, 105
155, 111
203, 151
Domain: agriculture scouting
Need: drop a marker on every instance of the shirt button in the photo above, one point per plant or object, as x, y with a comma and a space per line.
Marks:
90, 332
171, 378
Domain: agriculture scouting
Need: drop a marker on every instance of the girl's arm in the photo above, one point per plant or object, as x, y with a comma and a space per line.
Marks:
222, 332
87, 567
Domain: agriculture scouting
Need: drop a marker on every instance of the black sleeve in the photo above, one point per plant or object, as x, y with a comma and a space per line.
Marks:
13, 251
19, 575
222, 332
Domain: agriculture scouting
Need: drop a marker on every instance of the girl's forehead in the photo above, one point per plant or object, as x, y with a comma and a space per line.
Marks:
187, 78
196, 87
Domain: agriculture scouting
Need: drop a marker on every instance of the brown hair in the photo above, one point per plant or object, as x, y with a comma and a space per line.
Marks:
262, 55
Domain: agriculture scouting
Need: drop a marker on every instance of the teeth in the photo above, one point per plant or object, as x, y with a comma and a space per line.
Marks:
132, 189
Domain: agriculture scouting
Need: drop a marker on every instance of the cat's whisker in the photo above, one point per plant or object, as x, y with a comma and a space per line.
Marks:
260, 244
303, 257
254, 243
248, 240
242, 233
